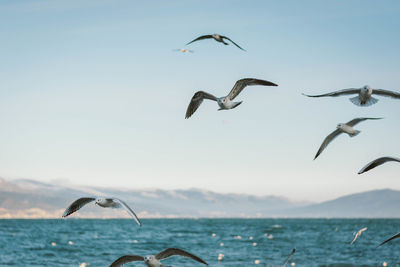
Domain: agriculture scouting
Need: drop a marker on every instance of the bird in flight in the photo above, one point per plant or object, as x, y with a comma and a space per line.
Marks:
342, 128
102, 202
364, 98
216, 37
225, 102
390, 239
376, 163
184, 50
154, 260
357, 234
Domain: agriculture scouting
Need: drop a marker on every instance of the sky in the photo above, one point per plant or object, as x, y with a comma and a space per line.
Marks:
92, 93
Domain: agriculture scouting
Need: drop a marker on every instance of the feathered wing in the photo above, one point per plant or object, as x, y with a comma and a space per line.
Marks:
128, 209
349, 91
77, 204
201, 38
390, 239
242, 83
125, 259
386, 93
227, 38
358, 120
327, 140
177, 252
196, 101
289, 257
376, 163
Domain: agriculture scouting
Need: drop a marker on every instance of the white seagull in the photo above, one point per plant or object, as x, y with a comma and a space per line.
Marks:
356, 235
364, 98
183, 50
102, 202
376, 163
216, 37
224, 102
390, 239
154, 260
342, 128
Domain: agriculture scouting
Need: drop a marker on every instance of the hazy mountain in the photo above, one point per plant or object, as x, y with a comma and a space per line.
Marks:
32, 199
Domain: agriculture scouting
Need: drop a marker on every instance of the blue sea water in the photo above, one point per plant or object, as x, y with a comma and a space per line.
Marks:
318, 242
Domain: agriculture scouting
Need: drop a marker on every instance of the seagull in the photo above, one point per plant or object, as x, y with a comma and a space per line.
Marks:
216, 37
154, 260
342, 128
224, 102
102, 202
356, 235
364, 98
183, 50
376, 163
390, 239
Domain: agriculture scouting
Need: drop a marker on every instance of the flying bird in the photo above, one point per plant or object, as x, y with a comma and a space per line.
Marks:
357, 234
154, 260
102, 202
224, 102
364, 98
376, 163
342, 128
216, 37
390, 239
183, 50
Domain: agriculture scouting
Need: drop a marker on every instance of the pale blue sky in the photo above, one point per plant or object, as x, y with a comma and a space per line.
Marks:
91, 93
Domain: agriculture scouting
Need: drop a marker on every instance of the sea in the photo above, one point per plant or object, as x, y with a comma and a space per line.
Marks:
220, 242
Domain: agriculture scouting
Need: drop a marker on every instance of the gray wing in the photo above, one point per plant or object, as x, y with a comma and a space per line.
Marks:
224, 37
77, 204
196, 101
358, 120
349, 91
125, 259
390, 239
289, 257
176, 251
128, 209
376, 163
327, 140
242, 83
386, 93
201, 38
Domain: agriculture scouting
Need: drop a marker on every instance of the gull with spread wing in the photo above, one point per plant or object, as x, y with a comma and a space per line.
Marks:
376, 163
102, 202
342, 128
154, 260
364, 98
225, 102
357, 234
216, 37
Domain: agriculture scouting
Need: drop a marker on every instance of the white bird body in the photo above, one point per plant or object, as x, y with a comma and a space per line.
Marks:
226, 103
347, 129
218, 38
357, 234
151, 261
106, 203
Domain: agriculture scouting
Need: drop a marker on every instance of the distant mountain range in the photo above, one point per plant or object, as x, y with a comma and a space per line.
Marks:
32, 199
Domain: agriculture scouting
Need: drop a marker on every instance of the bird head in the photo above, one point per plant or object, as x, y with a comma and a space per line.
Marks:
339, 126
98, 200
148, 258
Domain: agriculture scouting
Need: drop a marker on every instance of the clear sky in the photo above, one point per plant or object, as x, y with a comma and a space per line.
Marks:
91, 93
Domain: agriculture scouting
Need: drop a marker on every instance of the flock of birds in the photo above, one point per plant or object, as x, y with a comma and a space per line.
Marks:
363, 98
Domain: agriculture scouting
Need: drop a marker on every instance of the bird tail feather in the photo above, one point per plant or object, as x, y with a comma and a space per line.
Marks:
356, 101
355, 133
